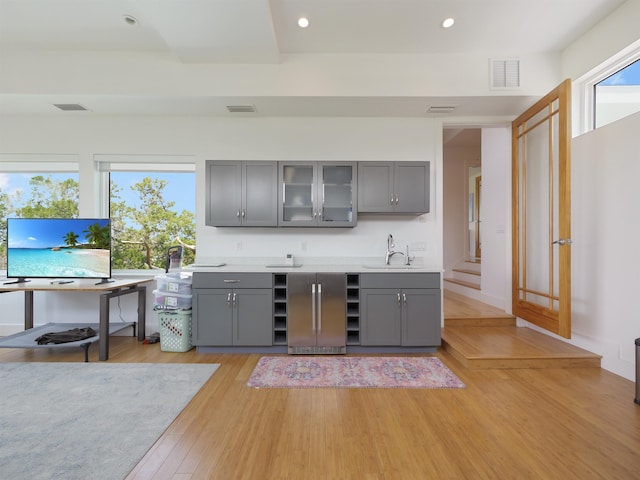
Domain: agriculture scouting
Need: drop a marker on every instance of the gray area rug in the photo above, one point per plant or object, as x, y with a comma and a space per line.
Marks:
86, 421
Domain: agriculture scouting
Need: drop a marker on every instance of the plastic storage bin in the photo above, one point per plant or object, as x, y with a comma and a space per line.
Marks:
174, 283
171, 301
175, 331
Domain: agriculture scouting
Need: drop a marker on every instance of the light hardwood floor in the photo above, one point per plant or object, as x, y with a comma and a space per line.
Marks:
577, 423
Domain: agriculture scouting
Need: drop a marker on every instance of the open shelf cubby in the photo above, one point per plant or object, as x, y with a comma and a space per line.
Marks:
280, 309
353, 309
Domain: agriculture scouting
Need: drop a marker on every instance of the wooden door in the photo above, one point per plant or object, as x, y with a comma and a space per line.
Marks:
541, 196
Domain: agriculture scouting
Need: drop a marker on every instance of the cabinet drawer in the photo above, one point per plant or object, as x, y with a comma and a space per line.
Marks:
232, 280
399, 280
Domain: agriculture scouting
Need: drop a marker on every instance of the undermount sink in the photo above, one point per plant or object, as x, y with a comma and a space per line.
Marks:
391, 267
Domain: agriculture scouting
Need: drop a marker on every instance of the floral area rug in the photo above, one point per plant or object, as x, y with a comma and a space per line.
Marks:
354, 372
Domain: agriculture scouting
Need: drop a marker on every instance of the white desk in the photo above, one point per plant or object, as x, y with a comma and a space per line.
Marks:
107, 291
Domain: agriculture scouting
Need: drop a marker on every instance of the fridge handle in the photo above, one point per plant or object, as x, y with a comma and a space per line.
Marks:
319, 308
313, 307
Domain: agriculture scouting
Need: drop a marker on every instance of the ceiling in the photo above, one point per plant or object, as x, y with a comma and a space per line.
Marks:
262, 31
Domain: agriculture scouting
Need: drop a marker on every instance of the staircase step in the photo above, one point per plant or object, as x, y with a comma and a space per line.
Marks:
513, 347
498, 321
464, 283
467, 271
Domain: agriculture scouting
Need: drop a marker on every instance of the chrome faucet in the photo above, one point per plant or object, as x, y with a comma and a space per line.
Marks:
390, 252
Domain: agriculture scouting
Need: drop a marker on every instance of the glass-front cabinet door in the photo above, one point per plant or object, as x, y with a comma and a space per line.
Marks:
337, 185
297, 195
317, 194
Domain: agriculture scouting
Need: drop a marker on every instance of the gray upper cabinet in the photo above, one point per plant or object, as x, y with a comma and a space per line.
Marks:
241, 193
317, 194
393, 187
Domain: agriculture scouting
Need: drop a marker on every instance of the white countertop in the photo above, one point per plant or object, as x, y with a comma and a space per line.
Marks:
335, 264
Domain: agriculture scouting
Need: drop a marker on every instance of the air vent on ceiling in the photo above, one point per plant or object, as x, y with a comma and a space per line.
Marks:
241, 109
70, 107
441, 109
505, 74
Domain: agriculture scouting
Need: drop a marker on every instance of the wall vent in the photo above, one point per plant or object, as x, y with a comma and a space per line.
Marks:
441, 109
70, 107
241, 109
505, 74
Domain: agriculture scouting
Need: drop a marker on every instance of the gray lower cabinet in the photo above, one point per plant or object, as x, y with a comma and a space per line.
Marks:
400, 309
393, 187
241, 193
227, 311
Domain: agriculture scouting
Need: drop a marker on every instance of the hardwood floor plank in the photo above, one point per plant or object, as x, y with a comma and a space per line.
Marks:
578, 423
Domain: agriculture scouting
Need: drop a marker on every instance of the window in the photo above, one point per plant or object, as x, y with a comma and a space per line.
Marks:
152, 207
36, 190
618, 95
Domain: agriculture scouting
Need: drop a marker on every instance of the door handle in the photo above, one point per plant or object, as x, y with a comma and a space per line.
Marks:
229, 298
562, 241
404, 298
233, 300
398, 299
313, 307
319, 308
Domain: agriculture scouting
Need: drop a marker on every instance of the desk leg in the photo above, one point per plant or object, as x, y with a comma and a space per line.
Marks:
28, 309
103, 341
142, 314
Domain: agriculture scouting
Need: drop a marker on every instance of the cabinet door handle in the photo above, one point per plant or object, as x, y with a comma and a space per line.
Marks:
319, 308
404, 298
398, 299
313, 307
397, 199
231, 281
238, 214
391, 200
235, 296
244, 213
229, 298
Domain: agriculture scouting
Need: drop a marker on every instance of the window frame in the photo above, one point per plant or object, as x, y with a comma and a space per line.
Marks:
585, 87
40, 164
105, 164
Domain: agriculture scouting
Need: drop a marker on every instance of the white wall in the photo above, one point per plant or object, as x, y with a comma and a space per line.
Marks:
611, 36
296, 75
306, 139
605, 268
496, 216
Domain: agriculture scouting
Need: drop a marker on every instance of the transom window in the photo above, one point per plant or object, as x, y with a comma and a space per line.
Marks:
618, 95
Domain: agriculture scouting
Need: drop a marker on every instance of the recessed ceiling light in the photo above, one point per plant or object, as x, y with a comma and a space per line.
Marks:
131, 20
448, 22
303, 22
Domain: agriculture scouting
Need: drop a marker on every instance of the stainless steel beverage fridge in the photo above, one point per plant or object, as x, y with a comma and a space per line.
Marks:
317, 313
